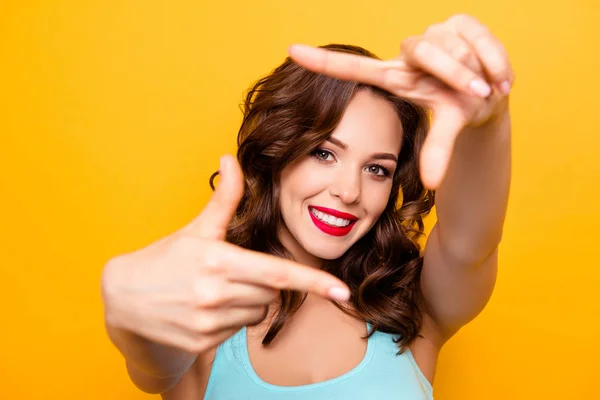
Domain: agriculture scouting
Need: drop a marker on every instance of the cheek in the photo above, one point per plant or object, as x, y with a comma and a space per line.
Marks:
377, 200
304, 182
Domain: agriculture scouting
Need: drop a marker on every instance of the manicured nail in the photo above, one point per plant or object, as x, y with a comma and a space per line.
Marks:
504, 87
480, 88
339, 293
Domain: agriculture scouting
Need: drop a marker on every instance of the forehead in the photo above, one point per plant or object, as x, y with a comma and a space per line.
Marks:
370, 123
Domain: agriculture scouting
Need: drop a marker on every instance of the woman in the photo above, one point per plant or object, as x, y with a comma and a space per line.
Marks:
320, 288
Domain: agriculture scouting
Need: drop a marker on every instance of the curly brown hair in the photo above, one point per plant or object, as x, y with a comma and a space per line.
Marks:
287, 115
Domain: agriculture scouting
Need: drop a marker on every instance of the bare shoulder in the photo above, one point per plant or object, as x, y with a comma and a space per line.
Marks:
194, 382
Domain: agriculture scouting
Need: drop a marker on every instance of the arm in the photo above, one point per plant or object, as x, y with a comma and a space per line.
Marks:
152, 367
461, 255
471, 202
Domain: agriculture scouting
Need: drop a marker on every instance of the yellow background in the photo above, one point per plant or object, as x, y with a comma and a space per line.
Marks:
113, 115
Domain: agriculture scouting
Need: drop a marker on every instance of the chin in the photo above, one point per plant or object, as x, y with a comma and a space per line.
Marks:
325, 252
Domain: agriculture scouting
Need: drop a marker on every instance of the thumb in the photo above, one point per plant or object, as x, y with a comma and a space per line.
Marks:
439, 145
214, 219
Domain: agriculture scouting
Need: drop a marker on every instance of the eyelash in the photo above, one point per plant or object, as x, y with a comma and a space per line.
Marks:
383, 169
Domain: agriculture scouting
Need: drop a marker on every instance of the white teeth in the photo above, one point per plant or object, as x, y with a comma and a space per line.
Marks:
330, 219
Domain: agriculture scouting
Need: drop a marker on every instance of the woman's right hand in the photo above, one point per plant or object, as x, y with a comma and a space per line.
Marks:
192, 290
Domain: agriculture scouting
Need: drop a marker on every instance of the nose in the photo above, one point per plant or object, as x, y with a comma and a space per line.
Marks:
346, 186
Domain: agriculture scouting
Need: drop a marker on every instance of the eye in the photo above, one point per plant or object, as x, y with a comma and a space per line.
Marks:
378, 170
322, 155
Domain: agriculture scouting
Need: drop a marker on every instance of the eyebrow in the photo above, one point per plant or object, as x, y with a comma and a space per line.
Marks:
378, 156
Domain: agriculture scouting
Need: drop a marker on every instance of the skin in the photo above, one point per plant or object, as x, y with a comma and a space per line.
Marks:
347, 179
168, 320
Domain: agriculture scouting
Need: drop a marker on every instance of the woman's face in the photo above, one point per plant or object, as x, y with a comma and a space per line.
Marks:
333, 197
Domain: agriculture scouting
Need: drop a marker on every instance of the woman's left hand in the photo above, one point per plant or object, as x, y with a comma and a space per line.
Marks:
457, 69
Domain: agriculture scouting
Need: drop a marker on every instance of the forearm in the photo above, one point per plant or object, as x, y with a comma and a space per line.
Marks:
471, 202
154, 359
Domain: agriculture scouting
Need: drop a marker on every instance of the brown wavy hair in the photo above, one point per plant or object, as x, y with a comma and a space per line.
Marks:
287, 115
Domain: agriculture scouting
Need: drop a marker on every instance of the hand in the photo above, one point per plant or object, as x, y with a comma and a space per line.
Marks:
458, 69
192, 290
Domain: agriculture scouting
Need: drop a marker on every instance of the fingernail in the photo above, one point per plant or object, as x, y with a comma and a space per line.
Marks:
504, 87
480, 88
339, 293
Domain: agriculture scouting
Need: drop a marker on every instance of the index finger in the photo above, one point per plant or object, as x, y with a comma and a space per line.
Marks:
266, 270
342, 65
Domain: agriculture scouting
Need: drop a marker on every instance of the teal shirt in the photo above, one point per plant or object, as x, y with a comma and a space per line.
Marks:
382, 374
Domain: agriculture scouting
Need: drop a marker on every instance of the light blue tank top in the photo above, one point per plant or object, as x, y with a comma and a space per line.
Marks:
382, 374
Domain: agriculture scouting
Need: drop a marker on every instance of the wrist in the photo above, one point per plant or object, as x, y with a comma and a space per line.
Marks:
497, 124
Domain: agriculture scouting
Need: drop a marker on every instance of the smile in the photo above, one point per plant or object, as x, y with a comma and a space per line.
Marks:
332, 222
